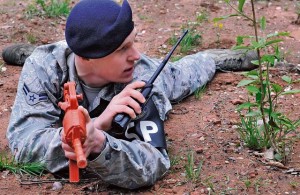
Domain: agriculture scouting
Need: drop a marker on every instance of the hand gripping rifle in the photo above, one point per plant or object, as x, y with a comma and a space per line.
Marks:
121, 120
74, 128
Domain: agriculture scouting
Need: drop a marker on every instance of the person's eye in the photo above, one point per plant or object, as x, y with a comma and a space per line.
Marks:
124, 48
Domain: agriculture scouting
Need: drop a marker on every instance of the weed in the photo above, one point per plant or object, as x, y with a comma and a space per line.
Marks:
251, 132
247, 183
2, 67
20, 168
142, 17
189, 42
218, 28
31, 38
294, 184
192, 173
208, 183
202, 16
174, 160
262, 103
175, 58
49, 8
200, 91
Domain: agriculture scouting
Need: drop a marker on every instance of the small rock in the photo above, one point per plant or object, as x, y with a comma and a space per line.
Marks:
3, 69
252, 175
4, 174
169, 191
57, 186
236, 101
199, 150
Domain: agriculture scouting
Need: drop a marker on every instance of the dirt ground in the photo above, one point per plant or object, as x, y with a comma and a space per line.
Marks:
206, 126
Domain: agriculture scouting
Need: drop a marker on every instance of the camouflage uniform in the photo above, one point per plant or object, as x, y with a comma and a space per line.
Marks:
36, 120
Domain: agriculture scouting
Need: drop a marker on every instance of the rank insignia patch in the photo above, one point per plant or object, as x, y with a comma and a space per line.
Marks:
34, 98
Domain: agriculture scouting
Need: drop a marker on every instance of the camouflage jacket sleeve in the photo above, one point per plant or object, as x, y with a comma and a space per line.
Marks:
35, 123
135, 164
177, 80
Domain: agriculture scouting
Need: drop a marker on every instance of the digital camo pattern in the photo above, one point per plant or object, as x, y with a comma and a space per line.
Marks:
36, 121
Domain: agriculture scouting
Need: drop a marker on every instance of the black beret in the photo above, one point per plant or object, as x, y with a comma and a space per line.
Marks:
96, 28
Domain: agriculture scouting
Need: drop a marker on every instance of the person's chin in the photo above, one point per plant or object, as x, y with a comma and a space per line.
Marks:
127, 80
128, 75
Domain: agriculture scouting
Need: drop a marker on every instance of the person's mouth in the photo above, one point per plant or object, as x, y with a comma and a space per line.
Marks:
128, 70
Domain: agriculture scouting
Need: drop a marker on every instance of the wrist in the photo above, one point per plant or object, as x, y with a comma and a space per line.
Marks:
101, 144
102, 122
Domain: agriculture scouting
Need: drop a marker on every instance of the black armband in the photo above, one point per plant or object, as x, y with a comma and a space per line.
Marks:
147, 127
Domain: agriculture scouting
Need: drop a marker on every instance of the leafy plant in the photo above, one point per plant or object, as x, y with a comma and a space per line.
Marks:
49, 8
262, 104
20, 168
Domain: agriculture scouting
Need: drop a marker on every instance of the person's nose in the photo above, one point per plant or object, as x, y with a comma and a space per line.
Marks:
135, 54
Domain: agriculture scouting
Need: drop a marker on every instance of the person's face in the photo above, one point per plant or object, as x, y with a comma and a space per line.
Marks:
117, 67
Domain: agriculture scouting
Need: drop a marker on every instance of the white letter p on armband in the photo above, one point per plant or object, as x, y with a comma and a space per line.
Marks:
147, 128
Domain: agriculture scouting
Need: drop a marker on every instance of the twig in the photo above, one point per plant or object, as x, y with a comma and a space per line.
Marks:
41, 181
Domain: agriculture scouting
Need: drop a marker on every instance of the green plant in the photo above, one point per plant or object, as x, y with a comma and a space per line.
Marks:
262, 103
251, 133
192, 170
200, 91
31, 38
202, 16
207, 182
294, 184
20, 168
174, 160
49, 8
247, 183
218, 28
189, 42
1, 67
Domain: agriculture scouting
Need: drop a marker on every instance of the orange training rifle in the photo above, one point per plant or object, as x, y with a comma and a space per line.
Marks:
74, 128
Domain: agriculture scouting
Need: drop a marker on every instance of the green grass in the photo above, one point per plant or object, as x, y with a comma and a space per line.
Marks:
252, 133
200, 91
191, 169
189, 42
9, 164
202, 17
48, 8
31, 38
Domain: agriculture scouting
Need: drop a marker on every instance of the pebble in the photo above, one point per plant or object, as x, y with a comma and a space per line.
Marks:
57, 186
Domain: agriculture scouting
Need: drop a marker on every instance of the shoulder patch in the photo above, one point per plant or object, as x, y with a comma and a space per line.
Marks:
33, 98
